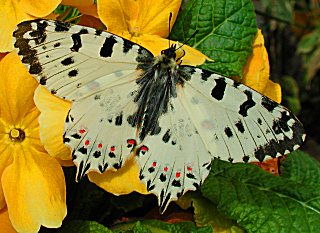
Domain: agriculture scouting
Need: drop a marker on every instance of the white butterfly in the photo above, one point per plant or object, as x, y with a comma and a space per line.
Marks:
174, 119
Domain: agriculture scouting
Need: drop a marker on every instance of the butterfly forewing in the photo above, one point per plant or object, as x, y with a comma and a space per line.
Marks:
176, 119
232, 117
74, 61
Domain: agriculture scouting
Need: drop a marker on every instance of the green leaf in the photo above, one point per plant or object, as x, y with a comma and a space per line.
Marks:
78, 226
157, 226
302, 168
226, 32
261, 202
206, 213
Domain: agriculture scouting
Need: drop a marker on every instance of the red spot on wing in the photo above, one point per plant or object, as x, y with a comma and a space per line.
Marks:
99, 145
178, 174
165, 169
131, 141
189, 169
87, 142
144, 148
82, 131
154, 164
113, 148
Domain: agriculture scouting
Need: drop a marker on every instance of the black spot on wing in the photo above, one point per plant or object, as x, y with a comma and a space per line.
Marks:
240, 126
119, 120
56, 45
67, 61
260, 153
151, 169
245, 158
127, 45
77, 40
150, 186
205, 75
73, 73
219, 89
35, 68
268, 103
83, 150
66, 140
228, 132
166, 136
245, 106
98, 32
107, 48
176, 183
97, 154
62, 26
163, 177
76, 136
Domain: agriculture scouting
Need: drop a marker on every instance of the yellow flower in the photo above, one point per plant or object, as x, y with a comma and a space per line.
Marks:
32, 182
5, 223
13, 12
145, 22
257, 71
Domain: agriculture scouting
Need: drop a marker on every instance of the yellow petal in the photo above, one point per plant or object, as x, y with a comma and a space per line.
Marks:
273, 91
39, 8
257, 70
5, 223
5, 160
156, 44
13, 12
154, 16
53, 114
16, 89
138, 16
123, 181
39, 182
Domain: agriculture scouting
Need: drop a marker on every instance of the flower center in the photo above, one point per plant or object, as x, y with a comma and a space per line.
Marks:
17, 135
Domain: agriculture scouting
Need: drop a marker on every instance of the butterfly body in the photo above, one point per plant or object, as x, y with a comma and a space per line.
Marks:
173, 118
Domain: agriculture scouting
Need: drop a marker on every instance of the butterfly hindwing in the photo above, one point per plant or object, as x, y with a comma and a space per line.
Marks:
167, 167
98, 132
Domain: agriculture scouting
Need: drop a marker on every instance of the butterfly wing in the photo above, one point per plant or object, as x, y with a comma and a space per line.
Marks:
237, 123
176, 160
74, 61
95, 70
213, 116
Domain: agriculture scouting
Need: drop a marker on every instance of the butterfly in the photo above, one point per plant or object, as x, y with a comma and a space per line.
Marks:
173, 119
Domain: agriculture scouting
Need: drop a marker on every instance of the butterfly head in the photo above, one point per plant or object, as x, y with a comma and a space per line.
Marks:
170, 57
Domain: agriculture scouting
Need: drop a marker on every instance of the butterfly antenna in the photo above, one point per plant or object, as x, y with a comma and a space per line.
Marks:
193, 35
170, 17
